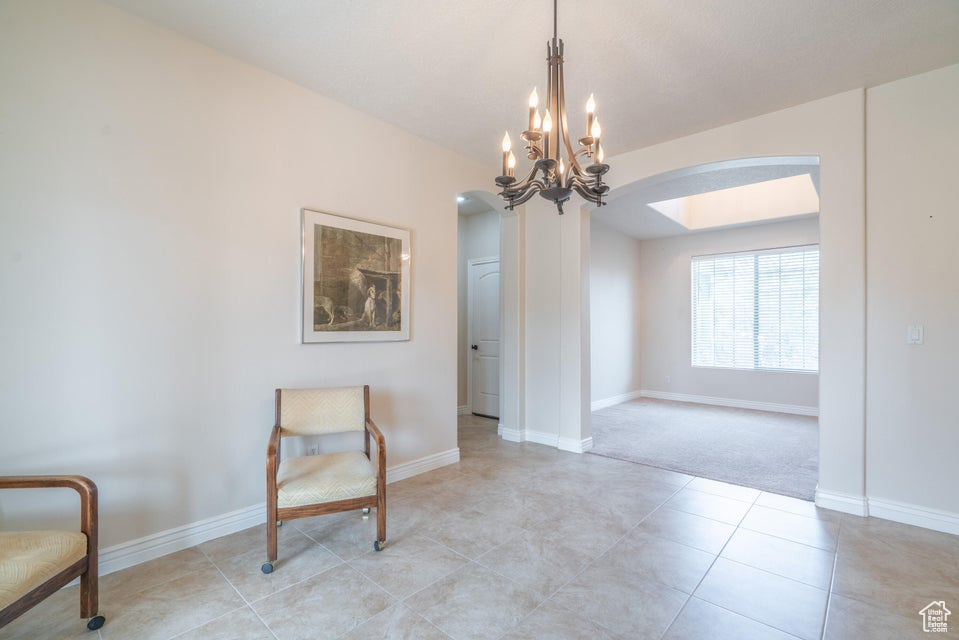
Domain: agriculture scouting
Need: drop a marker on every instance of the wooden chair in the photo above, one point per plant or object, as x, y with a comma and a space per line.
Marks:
35, 564
328, 483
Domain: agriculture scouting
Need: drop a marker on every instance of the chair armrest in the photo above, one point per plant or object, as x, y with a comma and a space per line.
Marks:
380, 444
273, 452
81, 484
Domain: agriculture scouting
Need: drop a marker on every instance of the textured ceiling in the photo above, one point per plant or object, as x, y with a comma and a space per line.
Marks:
459, 73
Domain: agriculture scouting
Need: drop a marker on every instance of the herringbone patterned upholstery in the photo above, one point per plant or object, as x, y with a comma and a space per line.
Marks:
30, 558
318, 411
324, 478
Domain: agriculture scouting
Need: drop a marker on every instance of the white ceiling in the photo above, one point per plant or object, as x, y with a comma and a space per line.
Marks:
460, 72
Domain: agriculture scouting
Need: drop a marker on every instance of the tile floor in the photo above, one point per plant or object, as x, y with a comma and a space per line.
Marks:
520, 541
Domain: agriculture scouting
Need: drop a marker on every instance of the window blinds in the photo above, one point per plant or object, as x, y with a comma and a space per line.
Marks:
757, 309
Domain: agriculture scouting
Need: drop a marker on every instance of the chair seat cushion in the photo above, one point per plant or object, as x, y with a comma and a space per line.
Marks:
324, 478
30, 558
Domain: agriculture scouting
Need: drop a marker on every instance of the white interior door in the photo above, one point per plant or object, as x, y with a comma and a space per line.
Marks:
484, 336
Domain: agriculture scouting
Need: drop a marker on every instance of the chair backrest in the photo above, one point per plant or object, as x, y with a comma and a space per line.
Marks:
306, 412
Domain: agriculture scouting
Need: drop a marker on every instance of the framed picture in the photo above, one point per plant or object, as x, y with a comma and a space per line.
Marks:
356, 280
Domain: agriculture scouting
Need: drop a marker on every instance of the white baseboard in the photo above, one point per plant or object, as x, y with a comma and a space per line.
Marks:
160, 544
732, 402
924, 517
548, 439
596, 405
422, 465
463, 410
541, 437
576, 446
508, 434
844, 502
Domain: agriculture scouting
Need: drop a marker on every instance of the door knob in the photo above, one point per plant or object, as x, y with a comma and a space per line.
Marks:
474, 347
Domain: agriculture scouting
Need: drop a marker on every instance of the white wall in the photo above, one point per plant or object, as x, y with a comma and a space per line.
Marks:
615, 313
913, 227
150, 191
477, 237
833, 129
666, 326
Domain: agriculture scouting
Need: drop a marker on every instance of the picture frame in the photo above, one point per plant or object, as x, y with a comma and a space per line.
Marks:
355, 280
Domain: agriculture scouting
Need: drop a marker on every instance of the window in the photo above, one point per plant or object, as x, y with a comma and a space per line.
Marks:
757, 309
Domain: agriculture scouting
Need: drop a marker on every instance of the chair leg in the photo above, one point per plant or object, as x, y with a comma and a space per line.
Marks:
381, 519
89, 592
271, 536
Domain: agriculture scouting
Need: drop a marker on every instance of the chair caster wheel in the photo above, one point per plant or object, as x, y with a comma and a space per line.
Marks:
279, 523
379, 546
267, 567
95, 623
366, 511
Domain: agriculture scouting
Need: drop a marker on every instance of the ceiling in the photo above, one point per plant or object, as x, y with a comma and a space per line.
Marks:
459, 73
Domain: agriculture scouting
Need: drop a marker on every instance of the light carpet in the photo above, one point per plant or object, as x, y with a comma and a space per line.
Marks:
776, 452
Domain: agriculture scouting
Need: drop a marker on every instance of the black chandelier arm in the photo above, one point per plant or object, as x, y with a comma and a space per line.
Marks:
589, 195
533, 190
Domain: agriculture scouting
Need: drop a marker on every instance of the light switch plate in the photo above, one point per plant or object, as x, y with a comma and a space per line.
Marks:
914, 334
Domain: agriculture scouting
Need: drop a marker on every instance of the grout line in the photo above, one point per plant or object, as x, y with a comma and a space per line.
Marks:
832, 582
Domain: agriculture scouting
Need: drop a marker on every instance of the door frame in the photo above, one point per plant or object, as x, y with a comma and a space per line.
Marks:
470, 263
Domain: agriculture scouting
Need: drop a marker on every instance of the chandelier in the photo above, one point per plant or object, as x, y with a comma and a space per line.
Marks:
547, 140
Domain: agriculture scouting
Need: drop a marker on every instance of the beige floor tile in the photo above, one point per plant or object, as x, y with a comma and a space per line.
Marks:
474, 603
849, 618
471, 532
896, 567
631, 503
822, 534
778, 602
529, 509
534, 563
797, 506
723, 489
408, 564
55, 618
700, 620
628, 604
170, 608
709, 505
800, 562
585, 530
688, 529
347, 534
649, 558
299, 557
325, 606
552, 622
252, 539
152, 573
241, 624
399, 622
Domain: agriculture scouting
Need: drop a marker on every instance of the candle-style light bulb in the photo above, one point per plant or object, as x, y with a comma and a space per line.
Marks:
590, 108
562, 167
533, 102
537, 121
600, 154
510, 164
506, 146
547, 122
596, 130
